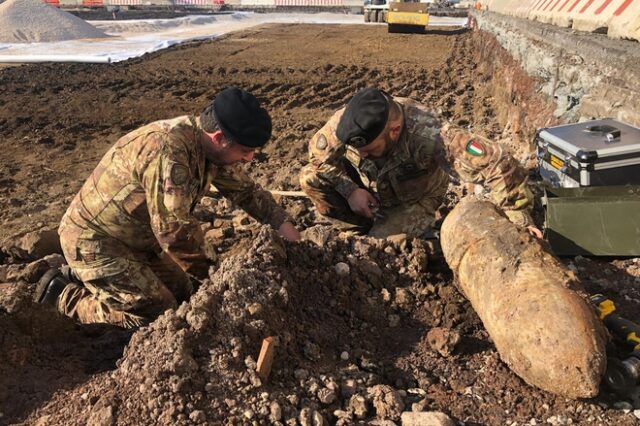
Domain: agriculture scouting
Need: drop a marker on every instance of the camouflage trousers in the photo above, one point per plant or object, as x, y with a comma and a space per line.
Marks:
412, 219
119, 286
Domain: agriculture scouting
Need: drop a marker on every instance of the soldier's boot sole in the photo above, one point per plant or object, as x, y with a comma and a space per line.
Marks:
50, 287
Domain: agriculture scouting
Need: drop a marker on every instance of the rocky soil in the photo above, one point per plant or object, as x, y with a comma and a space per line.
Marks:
367, 331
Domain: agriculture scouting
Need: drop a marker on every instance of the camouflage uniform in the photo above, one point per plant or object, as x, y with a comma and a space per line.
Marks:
129, 234
411, 181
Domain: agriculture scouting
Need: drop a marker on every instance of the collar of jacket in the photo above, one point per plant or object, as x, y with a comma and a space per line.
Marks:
208, 170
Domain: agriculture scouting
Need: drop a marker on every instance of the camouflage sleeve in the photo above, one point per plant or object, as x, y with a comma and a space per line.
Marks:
233, 183
326, 155
477, 160
167, 181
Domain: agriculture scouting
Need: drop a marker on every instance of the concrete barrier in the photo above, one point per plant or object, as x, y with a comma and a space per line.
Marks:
625, 22
616, 18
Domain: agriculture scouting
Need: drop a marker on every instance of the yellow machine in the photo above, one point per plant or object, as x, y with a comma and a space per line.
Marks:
407, 17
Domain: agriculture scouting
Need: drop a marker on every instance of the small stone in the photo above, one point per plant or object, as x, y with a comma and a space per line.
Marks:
198, 416
250, 363
318, 419
394, 320
310, 417
254, 309
249, 414
311, 351
358, 406
404, 298
348, 388
426, 418
386, 295
344, 355
55, 260
397, 239
443, 340
275, 412
635, 413
623, 405
102, 417
301, 374
36, 244
419, 406
341, 414
386, 401
209, 387
327, 396
342, 269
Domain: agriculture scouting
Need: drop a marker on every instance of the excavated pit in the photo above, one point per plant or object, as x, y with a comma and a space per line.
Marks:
365, 328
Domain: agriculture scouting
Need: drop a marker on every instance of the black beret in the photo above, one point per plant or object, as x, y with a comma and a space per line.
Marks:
239, 116
364, 118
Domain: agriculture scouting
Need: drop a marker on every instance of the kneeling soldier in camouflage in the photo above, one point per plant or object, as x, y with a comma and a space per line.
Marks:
381, 166
129, 236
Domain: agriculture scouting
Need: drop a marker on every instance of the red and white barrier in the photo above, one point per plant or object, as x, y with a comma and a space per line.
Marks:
126, 2
207, 3
309, 3
93, 3
618, 18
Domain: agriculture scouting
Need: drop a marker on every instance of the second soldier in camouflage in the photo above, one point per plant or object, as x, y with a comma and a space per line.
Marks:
382, 166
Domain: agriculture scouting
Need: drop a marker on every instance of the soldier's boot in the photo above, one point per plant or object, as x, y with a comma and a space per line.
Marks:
68, 273
50, 286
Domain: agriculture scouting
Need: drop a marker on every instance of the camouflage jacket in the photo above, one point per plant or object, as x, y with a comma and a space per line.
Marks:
420, 161
144, 190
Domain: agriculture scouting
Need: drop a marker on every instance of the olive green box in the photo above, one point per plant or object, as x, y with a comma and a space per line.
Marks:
593, 221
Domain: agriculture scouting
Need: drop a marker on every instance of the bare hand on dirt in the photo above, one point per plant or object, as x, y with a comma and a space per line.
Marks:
363, 203
535, 232
289, 232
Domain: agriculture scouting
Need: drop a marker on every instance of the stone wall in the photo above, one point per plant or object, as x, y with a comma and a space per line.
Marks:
585, 75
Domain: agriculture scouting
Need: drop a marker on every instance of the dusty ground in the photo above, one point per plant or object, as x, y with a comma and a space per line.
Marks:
195, 365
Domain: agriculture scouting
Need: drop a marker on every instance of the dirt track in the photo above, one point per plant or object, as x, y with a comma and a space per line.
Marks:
56, 121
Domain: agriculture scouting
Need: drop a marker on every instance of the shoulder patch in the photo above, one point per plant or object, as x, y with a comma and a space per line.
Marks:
321, 143
475, 148
179, 174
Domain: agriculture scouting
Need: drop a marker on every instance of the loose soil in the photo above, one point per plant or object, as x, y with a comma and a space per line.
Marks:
355, 318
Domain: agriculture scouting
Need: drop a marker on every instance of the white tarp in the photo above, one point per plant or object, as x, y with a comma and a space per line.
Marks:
134, 38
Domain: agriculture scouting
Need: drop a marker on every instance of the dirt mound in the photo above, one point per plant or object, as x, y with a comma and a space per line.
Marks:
350, 320
33, 21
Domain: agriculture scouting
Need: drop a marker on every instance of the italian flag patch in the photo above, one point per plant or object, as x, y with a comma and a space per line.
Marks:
475, 148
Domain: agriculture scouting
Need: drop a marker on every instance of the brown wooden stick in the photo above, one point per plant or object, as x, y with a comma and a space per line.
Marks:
299, 194
265, 360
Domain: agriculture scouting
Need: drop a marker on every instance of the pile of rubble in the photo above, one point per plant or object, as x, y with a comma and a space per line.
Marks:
33, 21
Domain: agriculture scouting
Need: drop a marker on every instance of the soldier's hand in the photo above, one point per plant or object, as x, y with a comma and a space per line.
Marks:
363, 203
534, 232
289, 232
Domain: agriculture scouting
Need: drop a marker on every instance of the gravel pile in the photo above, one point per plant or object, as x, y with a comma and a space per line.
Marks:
32, 21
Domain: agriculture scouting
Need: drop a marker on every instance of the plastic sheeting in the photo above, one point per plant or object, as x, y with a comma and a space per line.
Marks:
134, 38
